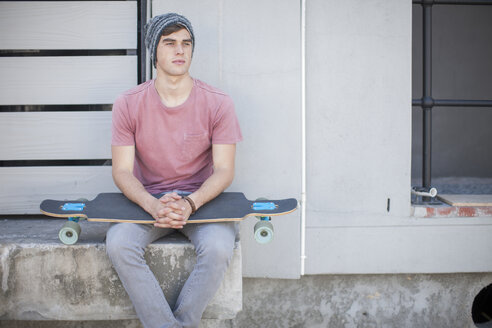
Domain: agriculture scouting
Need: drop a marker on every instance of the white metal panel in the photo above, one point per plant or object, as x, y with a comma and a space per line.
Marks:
23, 188
68, 25
254, 56
55, 135
65, 80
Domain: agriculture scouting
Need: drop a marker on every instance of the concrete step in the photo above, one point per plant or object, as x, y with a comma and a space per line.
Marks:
42, 279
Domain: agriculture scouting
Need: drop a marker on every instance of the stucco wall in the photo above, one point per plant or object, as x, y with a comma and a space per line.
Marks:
254, 55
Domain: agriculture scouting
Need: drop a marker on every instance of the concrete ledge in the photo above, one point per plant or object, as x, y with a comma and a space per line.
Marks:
42, 279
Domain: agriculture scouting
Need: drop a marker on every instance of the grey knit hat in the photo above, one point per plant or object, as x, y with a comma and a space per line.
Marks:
154, 28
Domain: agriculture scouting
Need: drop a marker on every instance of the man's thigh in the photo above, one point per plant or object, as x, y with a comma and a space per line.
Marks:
221, 234
139, 235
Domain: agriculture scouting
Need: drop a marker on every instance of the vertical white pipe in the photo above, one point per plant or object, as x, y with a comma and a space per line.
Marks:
303, 134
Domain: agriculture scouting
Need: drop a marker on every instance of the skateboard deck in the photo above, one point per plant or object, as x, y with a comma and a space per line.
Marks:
115, 207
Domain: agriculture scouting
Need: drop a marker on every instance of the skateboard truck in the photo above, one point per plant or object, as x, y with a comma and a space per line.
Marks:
70, 232
263, 230
264, 206
73, 207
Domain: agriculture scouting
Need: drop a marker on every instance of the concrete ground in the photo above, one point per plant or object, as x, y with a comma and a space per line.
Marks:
362, 301
413, 301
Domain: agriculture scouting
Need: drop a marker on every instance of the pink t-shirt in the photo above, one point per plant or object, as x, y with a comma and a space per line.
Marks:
173, 145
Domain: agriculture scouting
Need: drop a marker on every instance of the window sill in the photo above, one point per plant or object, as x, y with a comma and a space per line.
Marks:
447, 211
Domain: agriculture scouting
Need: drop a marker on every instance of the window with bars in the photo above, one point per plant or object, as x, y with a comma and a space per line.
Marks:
452, 88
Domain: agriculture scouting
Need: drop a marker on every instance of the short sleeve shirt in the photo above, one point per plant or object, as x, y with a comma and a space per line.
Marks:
173, 145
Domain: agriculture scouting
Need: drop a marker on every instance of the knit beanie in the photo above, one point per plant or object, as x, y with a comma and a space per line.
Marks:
154, 28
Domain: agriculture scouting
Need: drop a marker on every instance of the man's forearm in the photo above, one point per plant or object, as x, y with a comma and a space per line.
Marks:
133, 189
213, 186
223, 160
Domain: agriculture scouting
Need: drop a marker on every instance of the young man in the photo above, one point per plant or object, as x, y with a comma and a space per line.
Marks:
173, 147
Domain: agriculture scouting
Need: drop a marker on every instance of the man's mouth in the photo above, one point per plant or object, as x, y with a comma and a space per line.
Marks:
179, 61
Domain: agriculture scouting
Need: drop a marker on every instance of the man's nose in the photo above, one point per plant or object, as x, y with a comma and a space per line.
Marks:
179, 48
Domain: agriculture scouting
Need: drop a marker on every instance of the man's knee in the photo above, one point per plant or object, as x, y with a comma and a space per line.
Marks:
217, 251
119, 243
114, 244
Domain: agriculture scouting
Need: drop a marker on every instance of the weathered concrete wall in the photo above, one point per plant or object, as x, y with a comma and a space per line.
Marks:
205, 323
362, 301
42, 279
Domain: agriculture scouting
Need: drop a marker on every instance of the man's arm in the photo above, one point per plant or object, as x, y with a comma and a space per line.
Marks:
123, 161
224, 163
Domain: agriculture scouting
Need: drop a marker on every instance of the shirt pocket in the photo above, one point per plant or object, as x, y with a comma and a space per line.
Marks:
194, 145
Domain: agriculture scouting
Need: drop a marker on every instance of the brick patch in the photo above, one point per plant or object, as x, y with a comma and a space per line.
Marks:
451, 211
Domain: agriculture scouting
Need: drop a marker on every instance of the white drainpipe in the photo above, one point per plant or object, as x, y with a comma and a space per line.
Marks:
303, 134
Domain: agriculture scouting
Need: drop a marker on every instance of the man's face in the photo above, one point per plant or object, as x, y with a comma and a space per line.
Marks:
174, 53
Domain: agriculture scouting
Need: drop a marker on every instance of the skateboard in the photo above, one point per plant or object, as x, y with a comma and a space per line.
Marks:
115, 207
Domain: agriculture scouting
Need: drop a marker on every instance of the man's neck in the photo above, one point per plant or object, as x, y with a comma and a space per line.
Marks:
173, 90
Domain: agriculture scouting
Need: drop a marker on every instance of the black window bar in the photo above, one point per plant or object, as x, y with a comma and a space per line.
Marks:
427, 102
141, 53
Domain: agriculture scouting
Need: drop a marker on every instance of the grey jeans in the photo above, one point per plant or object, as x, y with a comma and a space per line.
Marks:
214, 244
